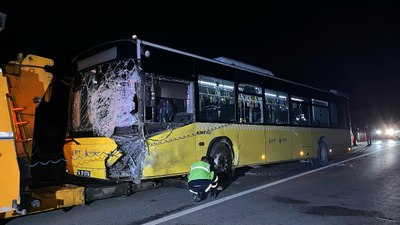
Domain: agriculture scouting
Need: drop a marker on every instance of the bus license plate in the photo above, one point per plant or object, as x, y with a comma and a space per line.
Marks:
84, 173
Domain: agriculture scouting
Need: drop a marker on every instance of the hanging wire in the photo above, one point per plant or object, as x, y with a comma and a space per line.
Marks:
46, 163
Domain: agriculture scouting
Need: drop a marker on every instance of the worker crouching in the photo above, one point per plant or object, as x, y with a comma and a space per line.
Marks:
202, 180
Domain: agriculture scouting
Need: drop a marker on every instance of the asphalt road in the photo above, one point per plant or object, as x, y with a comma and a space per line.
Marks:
361, 187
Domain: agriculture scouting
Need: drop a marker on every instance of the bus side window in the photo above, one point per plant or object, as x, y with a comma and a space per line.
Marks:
299, 110
250, 102
250, 109
168, 98
277, 107
216, 99
320, 113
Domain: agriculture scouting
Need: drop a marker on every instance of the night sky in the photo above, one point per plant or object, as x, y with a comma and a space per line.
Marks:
352, 47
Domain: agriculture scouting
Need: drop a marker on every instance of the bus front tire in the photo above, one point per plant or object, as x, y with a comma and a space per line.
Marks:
222, 158
322, 158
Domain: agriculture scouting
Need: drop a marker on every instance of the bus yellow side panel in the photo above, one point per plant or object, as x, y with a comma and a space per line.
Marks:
341, 141
303, 144
87, 156
278, 143
338, 139
251, 144
171, 152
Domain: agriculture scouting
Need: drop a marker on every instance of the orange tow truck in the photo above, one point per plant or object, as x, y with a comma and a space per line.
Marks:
23, 84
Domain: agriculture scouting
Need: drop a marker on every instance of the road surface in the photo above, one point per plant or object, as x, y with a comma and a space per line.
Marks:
362, 187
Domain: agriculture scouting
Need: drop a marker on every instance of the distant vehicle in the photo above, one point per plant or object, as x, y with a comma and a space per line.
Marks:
387, 131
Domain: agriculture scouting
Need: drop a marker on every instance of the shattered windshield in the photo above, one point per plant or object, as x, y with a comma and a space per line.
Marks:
104, 98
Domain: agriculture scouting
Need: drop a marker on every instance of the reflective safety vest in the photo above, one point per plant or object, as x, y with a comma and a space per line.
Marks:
200, 170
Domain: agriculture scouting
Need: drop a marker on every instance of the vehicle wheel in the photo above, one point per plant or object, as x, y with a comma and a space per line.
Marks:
222, 158
322, 154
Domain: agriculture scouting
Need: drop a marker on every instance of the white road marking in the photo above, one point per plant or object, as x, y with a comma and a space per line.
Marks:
216, 202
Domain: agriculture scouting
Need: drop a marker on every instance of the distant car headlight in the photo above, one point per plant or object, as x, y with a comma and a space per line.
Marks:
389, 131
379, 132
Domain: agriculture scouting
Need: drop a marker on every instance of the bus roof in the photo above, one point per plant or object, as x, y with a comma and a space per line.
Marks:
234, 62
220, 60
239, 65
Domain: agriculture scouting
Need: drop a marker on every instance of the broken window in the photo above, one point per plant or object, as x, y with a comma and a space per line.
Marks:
167, 101
103, 98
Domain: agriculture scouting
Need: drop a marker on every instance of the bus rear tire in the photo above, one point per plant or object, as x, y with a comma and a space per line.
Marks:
322, 158
222, 159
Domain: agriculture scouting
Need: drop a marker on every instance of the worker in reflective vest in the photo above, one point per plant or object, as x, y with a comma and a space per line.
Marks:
202, 180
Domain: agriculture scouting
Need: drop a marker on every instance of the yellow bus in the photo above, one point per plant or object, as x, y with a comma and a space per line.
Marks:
140, 111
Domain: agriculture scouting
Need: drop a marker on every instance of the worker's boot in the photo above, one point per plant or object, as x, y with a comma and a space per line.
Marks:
197, 197
213, 193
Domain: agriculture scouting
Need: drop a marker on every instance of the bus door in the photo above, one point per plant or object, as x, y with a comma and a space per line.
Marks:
251, 130
278, 136
302, 144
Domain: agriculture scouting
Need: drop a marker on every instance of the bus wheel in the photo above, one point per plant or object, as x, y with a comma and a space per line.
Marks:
322, 154
222, 159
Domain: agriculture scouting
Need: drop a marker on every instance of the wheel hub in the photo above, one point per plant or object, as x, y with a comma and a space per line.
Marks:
220, 162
